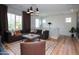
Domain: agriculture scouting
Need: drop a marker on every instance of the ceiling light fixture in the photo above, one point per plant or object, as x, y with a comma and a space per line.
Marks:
31, 11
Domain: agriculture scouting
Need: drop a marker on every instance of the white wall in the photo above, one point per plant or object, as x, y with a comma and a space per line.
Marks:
59, 26
14, 11
33, 17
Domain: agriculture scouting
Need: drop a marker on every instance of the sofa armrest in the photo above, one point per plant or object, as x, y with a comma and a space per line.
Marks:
4, 53
2, 49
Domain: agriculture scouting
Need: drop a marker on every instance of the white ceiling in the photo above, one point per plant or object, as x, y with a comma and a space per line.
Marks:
47, 8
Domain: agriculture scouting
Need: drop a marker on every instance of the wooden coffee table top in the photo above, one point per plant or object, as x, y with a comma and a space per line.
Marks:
31, 36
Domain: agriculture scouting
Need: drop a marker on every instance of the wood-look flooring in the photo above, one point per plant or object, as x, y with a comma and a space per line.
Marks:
64, 45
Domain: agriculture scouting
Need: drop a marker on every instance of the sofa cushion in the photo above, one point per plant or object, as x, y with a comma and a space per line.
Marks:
1, 49
4, 53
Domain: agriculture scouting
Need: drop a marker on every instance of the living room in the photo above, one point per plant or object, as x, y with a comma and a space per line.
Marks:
50, 23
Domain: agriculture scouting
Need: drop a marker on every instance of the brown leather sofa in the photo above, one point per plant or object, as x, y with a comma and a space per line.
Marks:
33, 48
8, 37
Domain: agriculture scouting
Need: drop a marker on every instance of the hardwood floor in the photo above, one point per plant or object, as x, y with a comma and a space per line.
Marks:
64, 45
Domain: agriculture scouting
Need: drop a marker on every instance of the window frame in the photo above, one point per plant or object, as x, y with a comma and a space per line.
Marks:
14, 22
68, 19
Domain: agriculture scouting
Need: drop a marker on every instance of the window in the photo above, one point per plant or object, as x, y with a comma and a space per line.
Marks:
11, 22
37, 23
14, 22
18, 22
44, 21
68, 20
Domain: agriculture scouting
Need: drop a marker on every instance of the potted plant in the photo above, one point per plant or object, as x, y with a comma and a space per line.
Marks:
72, 31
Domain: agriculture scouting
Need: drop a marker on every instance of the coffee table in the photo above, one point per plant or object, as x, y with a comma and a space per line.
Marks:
31, 37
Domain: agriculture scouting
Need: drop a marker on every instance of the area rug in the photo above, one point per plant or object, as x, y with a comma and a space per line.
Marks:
15, 47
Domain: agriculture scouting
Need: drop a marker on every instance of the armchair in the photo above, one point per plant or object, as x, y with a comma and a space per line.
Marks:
33, 48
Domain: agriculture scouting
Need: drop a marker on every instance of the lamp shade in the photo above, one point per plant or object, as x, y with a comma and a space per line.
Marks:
37, 9
49, 23
28, 11
31, 9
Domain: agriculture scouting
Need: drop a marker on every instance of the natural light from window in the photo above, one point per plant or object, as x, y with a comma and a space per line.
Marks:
44, 21
68, 20
37, 23
14, 22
